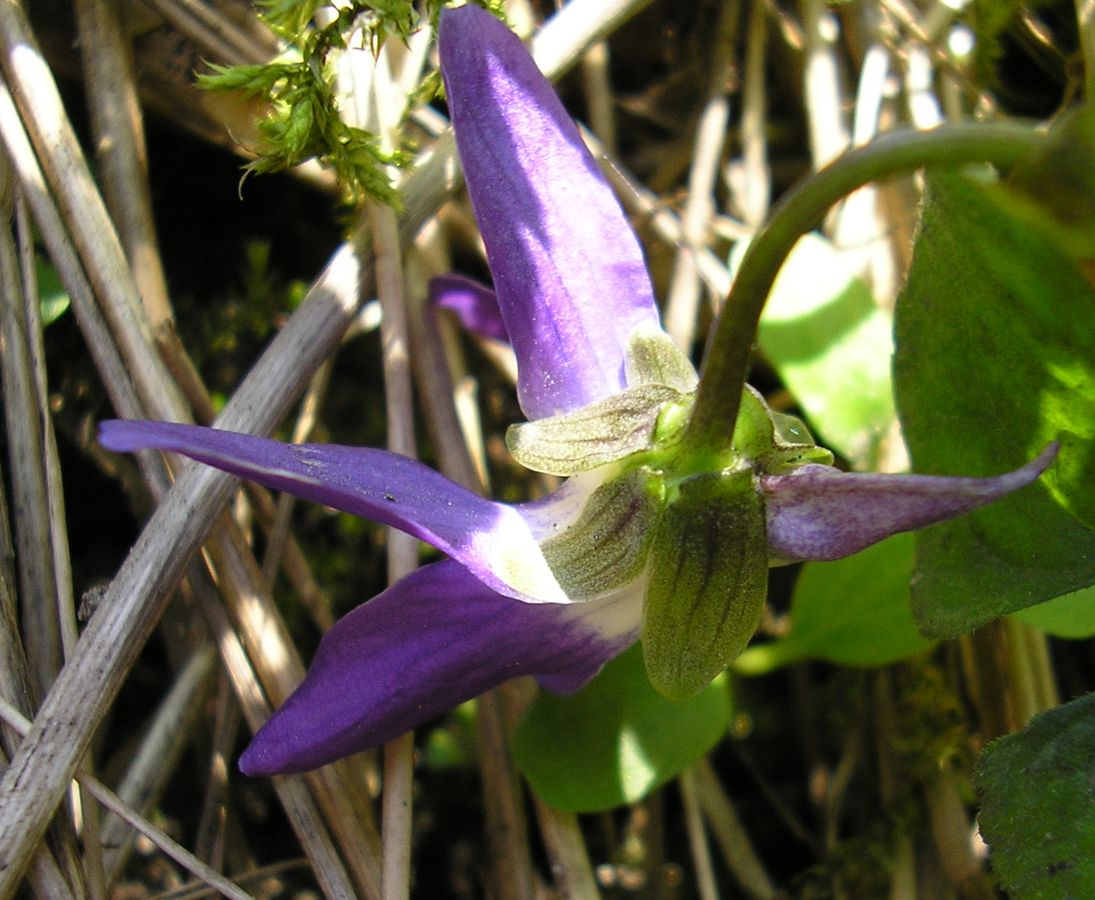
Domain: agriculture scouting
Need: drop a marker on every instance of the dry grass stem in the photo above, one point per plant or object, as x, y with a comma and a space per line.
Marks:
296, 798
706, 887
120, 148
665, 224
737, 848
48, 875
55, 236
28, 435
155, 760
109, 800
567, 854
752, 185
821, 83
131, 606
683, 302
217, 36
210, 837
43, 115
598, 90
402, 548
512, 872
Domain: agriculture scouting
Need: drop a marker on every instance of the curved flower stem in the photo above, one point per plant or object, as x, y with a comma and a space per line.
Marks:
729, 346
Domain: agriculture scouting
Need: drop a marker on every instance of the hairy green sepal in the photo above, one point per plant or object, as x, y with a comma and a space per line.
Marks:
649, 413
653, 358
607, 546
708, 580
594, 435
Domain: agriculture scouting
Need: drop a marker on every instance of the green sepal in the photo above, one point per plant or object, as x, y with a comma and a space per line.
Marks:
707, 581
594, 435
654, 358
773, 442
606, 547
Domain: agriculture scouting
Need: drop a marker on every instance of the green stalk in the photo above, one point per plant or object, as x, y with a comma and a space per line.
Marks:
729, 346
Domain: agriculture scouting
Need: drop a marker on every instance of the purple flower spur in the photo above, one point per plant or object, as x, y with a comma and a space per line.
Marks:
640, 539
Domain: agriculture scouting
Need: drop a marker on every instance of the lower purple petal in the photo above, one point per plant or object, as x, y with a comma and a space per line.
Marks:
818, 512
491, 539
475, 304
433, 640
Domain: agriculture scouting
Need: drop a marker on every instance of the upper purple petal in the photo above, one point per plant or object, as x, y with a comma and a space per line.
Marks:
568, 270
475, 304
818, 512
493, 540
433, 640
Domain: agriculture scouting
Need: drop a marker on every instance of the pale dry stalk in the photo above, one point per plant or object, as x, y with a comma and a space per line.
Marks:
707, 886
683, 302
110, 800
436, 363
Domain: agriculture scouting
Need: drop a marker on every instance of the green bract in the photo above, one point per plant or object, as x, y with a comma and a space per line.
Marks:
775, 443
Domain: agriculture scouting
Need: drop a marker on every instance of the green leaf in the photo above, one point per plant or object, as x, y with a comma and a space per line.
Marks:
1038, 804
1071, 616
1055, 187
995, 357
707, 584
831, 345
250, 79
854, 612
617, 739
53, 299
290, 17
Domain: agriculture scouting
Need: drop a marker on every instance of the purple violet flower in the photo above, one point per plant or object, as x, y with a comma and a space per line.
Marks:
556, 587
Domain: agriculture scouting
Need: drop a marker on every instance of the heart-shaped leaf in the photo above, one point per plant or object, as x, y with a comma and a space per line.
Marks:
617, 739
1038, 810
995, 357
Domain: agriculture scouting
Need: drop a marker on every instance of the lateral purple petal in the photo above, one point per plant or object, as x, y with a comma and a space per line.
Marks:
491, 539
430, 642
818, 512
475, 304
568, 270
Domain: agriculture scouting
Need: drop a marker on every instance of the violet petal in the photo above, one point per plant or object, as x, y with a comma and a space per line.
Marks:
491, 539
818, 512
568, 270
475, 304
435, 639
